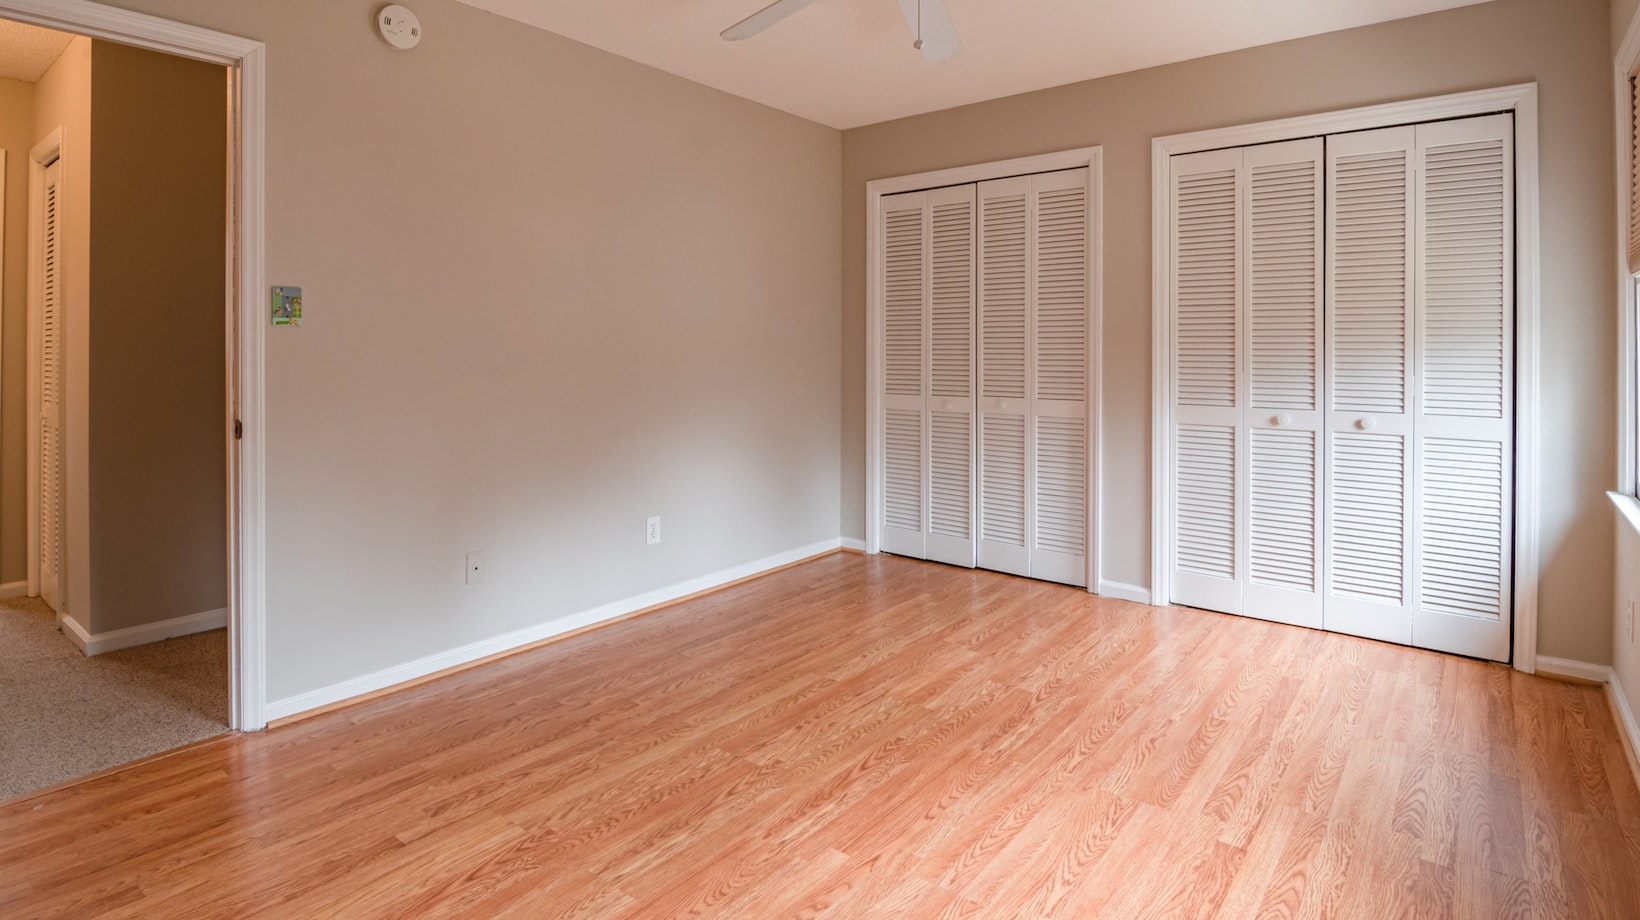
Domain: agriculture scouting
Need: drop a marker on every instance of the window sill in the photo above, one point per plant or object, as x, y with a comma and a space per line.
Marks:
1629, 507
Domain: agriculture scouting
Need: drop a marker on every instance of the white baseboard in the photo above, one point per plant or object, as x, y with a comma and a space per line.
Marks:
13, 589
1626, 726
1566, 667
432, 664
1124, 592
858, 546
98, 643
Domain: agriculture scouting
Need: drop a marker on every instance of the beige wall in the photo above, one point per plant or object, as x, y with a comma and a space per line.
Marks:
157, 450
63, 99
548, 293
1622, 14
1561, 44
16, 138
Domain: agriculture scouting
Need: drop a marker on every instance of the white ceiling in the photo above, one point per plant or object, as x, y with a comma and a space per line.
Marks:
27, 51
846, 63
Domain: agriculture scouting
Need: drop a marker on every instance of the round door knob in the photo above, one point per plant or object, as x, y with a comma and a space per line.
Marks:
948, 405
1003, 404
1282, 420
1366, 424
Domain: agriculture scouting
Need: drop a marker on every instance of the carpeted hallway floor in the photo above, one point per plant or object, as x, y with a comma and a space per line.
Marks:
63, 715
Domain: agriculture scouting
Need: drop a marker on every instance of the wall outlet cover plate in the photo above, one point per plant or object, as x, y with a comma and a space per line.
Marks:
287, 305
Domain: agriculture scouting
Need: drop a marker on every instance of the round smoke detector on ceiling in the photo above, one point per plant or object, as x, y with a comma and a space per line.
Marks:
399, 27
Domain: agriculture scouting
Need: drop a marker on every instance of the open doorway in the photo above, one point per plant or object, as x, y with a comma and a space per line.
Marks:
145, 366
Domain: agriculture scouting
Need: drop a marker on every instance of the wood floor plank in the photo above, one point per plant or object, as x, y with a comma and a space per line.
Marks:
871, 737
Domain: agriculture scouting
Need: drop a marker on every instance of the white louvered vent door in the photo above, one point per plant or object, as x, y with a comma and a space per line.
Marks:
50, 461
1033, 360
951, 377
1059, 404
1208, 437
928, 375
906, 241
1284, 250
1371, 392
1465, 418
1005, 279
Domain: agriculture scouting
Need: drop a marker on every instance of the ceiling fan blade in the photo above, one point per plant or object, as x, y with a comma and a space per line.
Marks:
762, 19
938, 34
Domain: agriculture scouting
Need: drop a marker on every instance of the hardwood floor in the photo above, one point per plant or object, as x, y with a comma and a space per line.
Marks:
871, 737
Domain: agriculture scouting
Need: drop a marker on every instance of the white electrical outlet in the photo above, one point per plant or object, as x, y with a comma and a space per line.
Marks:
475, 567
653, 533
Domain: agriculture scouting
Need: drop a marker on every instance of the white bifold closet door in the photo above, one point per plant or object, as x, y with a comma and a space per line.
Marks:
1247, 389
928, 375
1420, 348
1343, 383
1033, 376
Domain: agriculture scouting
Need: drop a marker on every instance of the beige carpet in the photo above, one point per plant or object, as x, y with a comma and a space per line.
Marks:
63, 715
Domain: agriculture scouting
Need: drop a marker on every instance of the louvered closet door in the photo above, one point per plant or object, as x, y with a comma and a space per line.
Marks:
1207, 439
50, 461
1033, 375
1247, 389
1465, 421
1372, 384
928, 375
1281, 548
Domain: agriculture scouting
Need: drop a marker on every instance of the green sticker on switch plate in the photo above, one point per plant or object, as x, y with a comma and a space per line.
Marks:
287, 305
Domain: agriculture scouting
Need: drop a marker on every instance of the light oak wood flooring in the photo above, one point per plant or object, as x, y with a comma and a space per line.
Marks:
872, 737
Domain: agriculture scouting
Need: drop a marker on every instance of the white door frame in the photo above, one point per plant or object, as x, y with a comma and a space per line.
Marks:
1092, 158
246, 76
1521, 99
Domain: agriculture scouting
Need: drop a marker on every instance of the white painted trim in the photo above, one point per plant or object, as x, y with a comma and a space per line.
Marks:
1093, 159
246, 64
1124, 592
858, 546
1623, 715
1628, 338
1628, 507
12, 589
113, 641
1567, 667
1521, 99
432, 664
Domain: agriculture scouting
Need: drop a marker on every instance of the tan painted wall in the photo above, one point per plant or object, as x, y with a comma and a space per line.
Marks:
16, 138
63, 98
1622, 14
548, 293
157, 451
1561, 44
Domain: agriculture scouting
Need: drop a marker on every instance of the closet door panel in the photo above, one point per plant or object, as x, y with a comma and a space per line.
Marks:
1282, 545
1466, 412
1005, 278
1059, 405
928, 375
1207, 443
905, 454
951, 534
1369, 483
